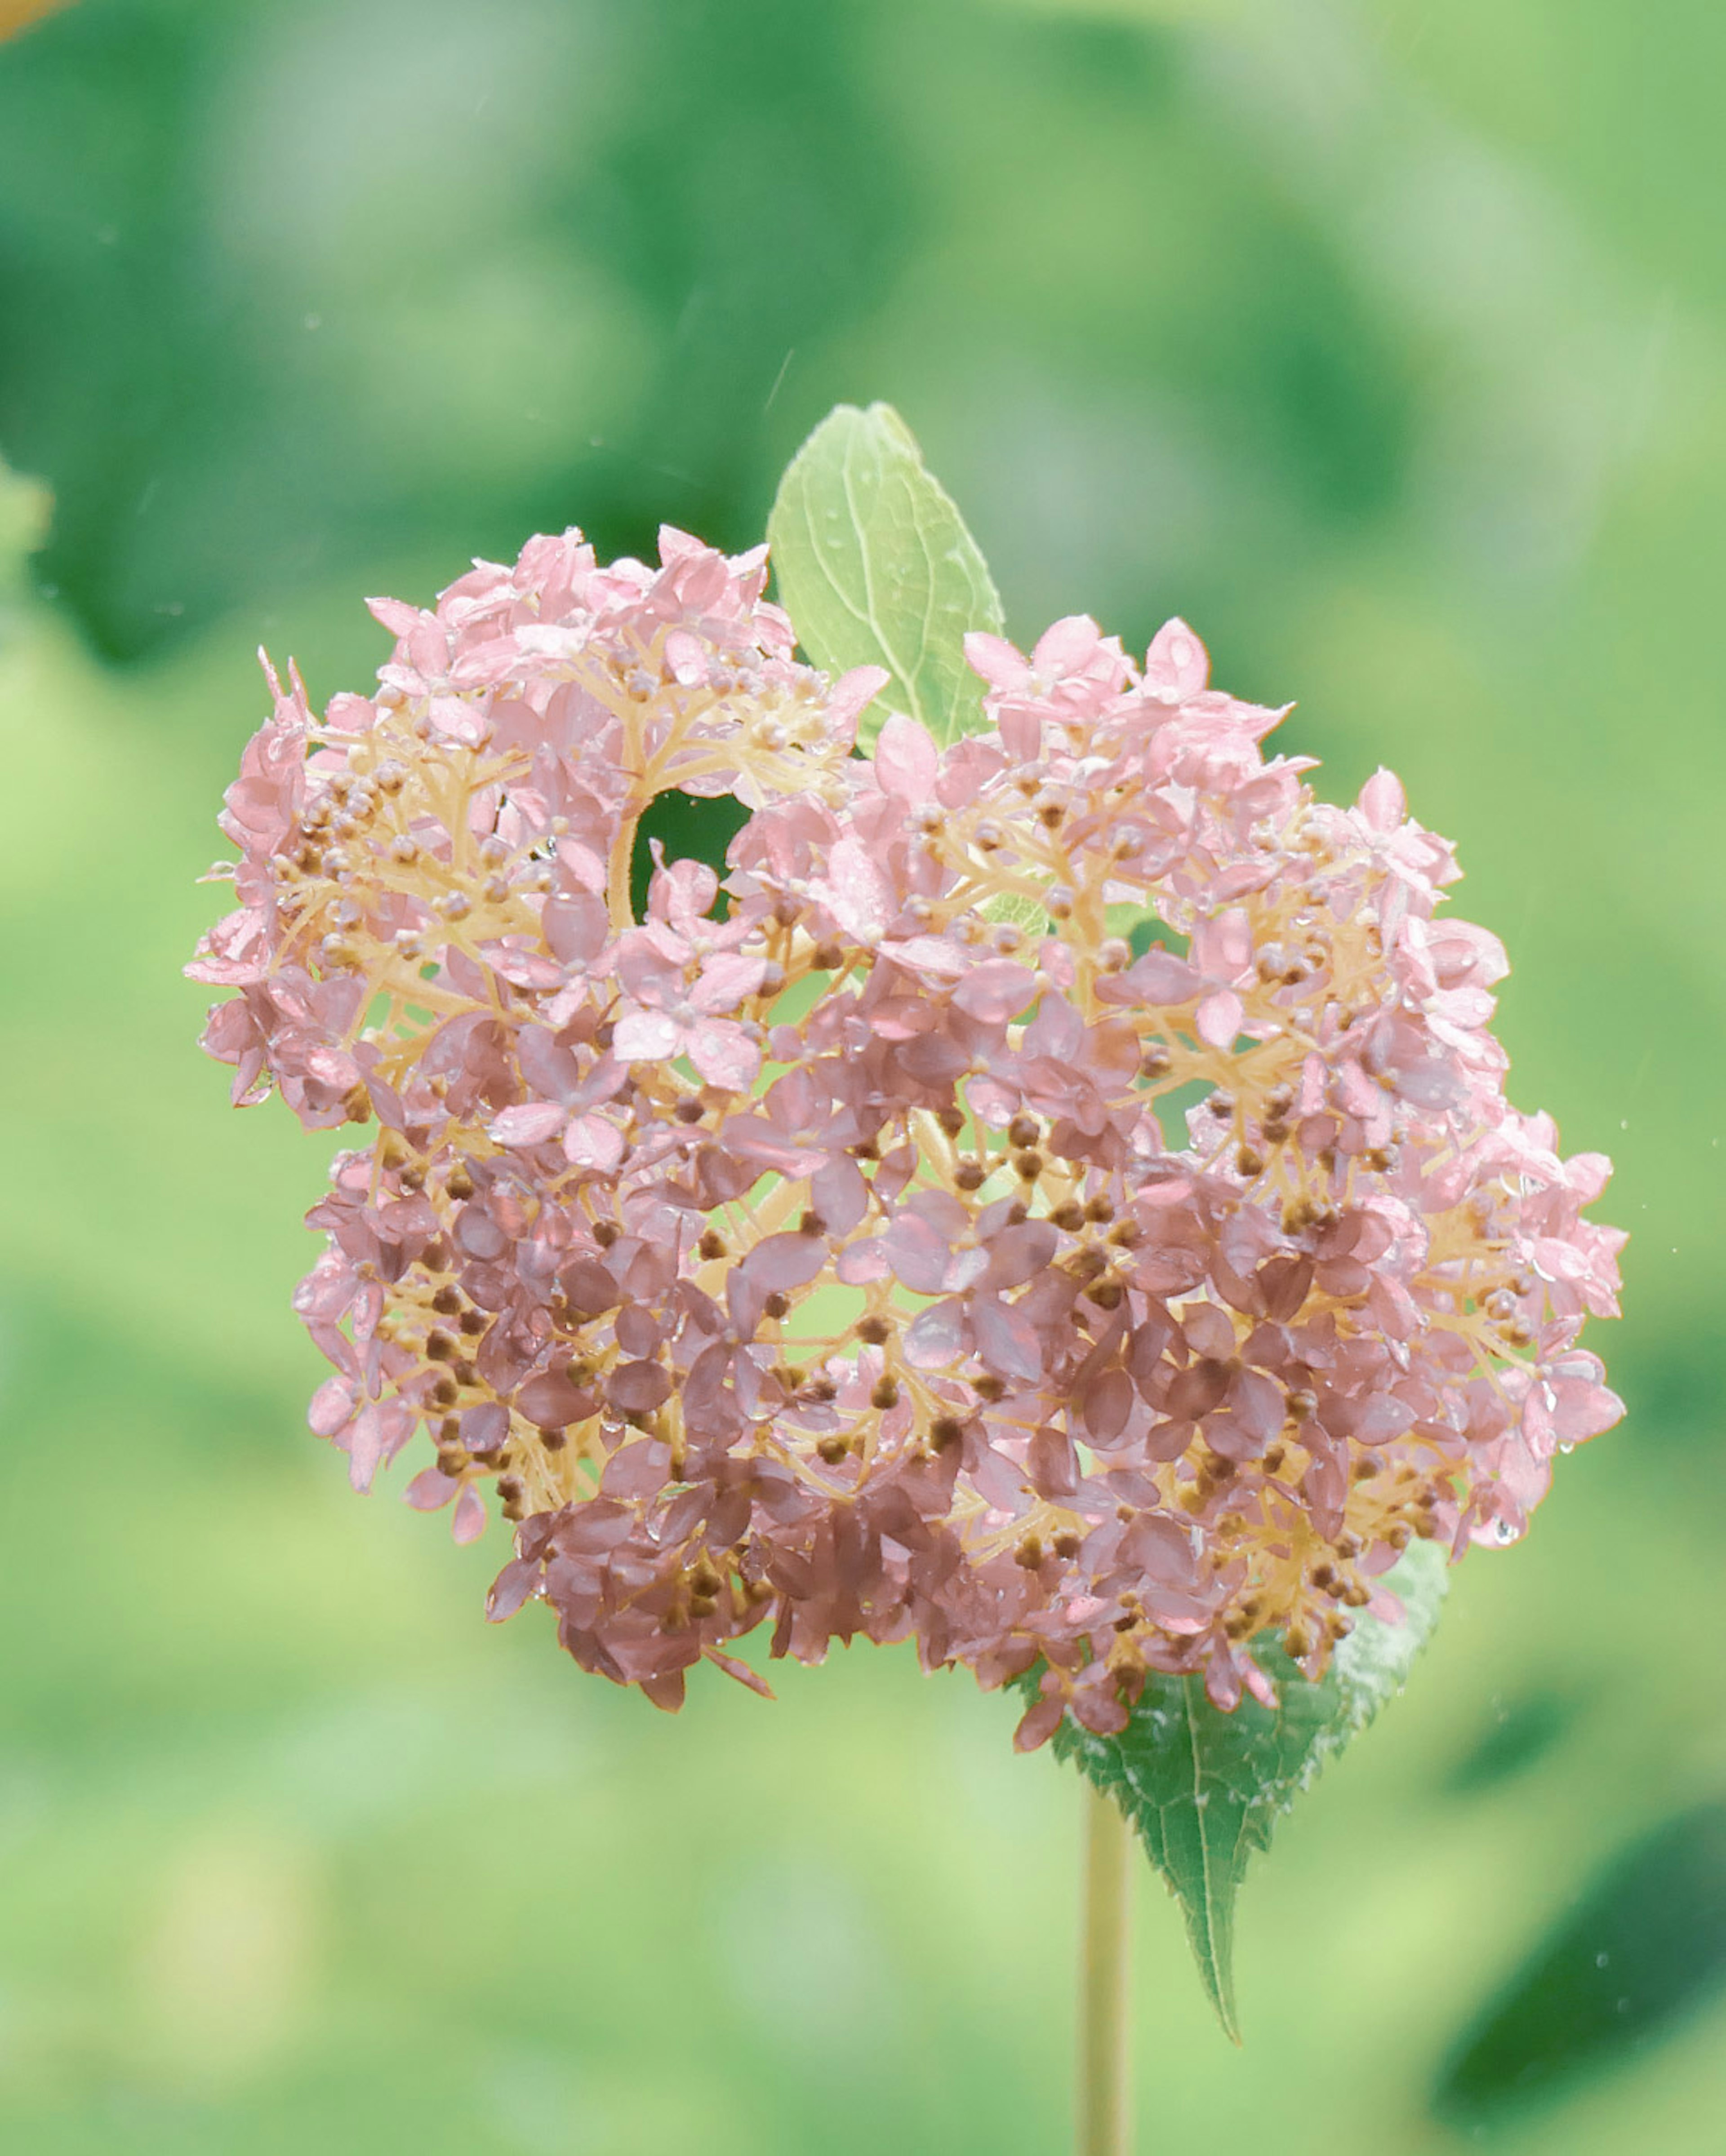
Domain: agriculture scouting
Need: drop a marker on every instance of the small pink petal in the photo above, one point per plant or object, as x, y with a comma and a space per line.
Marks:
591, 1142
1217, 1019
1382, 801
724, 1055
853, 691
468, 1519
686, 659
995, 661
1177, 660
906, 759
429, 1491
996, 991
531, 1124
646, 1037
511, 1587
727, 981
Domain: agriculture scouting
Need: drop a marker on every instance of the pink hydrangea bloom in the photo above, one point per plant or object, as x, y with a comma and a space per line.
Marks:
828, 1263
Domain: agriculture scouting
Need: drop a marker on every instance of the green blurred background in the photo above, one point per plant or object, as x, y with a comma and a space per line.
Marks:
1387, 342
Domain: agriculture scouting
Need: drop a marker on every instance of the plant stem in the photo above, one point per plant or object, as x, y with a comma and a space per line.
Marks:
1106, 1955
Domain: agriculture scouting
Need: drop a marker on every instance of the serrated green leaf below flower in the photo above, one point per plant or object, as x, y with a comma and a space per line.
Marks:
1205, 1788
876, 568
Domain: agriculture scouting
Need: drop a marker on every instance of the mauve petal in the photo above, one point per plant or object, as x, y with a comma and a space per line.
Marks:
935, 1337
1107, 1404
917, 1254
429, 1491
1019, 1253
1040, 1723
785, 1261
1007, 1341
553, 1403
588, 1288
638, 1387
862, 1262
838, 1195
511, 1587
1258, 1401
1385, 1417
486, 1427
598, 1525
479, 1234
470, 1518
996, 991
637, 1469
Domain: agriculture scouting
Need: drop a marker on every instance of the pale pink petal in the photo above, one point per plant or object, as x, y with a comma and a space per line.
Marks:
1177, 661
685, 660
857, 894
1382, 801
1066, 645
906, 759
998, 662
727, 981
468, 1519
724, 1055
643, 1036
1217, 1020
531, 1124
591, 1142
852, 692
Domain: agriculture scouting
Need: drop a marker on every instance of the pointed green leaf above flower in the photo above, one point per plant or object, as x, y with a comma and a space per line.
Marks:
1205, 1789
877, 567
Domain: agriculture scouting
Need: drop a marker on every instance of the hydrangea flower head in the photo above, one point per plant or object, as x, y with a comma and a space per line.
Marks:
1054, 1200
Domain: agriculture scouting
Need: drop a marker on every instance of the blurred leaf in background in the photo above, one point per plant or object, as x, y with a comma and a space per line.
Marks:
1386, 344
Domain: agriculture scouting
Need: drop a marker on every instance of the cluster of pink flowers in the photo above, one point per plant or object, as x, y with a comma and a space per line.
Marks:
837, 1262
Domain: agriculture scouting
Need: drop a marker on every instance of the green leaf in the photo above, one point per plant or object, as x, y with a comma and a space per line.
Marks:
1205, 1788
876, 568
1640, 1946
24, 506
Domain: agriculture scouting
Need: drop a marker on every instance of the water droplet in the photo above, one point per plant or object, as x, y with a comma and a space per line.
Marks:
1601, 1959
